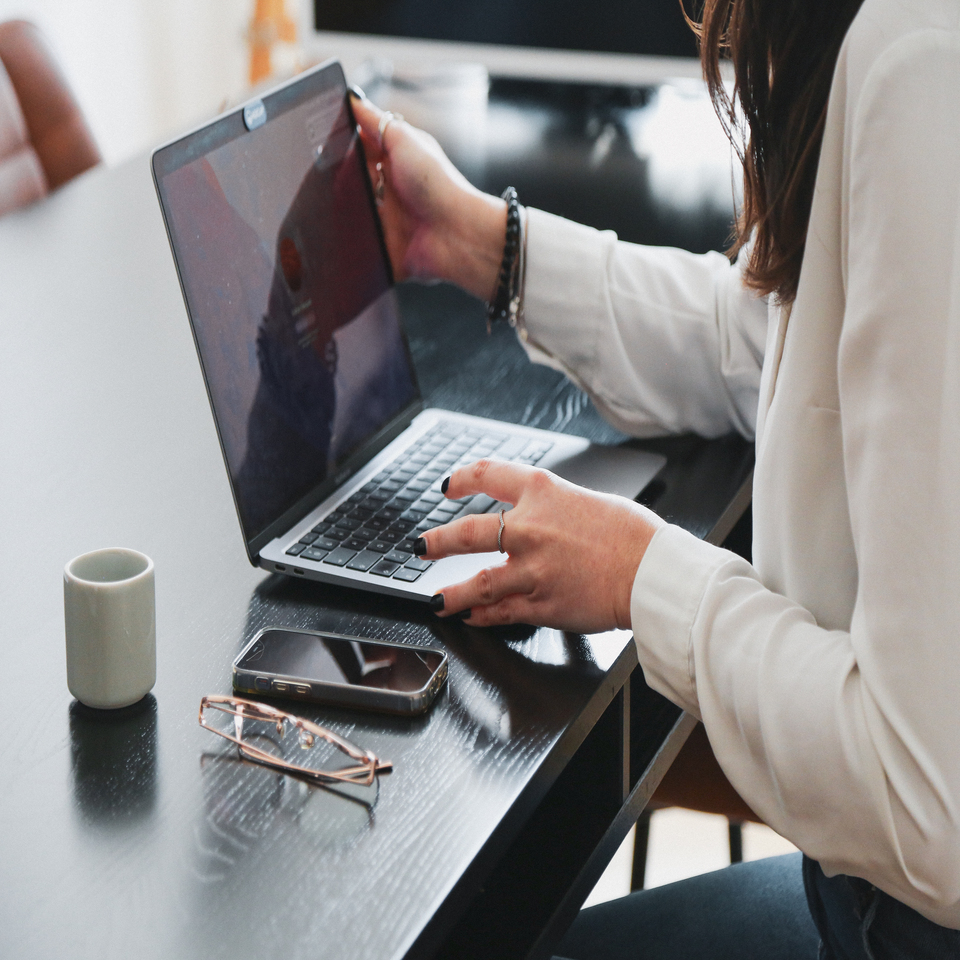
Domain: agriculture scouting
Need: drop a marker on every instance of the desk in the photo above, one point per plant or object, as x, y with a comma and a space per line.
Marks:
134, 834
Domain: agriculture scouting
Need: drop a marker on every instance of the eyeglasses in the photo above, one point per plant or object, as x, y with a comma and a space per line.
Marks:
248, 720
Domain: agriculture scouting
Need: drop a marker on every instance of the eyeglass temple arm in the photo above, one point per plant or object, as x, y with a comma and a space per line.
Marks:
238, 708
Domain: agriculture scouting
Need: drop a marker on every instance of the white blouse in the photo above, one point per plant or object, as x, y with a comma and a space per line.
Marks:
827, 674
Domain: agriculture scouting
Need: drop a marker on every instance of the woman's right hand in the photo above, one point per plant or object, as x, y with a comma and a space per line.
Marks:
436, 224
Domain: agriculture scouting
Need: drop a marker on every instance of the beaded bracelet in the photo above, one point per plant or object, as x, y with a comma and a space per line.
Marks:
499, 307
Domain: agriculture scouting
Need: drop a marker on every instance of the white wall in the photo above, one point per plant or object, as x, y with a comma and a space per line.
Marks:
145, 69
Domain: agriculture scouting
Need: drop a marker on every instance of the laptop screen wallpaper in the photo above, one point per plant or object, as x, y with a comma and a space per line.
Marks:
294, 315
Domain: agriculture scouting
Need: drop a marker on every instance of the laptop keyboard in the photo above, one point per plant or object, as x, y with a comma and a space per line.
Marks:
373, 530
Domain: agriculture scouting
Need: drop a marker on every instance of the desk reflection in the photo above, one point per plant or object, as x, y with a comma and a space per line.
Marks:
113, 757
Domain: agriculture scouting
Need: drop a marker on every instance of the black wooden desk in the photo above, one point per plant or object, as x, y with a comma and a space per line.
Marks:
134, 833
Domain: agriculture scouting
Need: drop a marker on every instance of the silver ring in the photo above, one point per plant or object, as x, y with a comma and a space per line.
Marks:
381, 183
386, 118
500, 534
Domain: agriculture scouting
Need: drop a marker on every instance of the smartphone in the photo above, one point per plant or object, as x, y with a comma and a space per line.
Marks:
340, 670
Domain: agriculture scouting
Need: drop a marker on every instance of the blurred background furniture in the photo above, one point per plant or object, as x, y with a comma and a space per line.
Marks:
44, 139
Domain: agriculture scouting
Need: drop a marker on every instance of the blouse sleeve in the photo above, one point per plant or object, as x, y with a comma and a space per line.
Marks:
845, 741
662, 340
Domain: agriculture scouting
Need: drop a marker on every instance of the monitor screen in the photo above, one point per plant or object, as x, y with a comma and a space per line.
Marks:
652, 27
289, 292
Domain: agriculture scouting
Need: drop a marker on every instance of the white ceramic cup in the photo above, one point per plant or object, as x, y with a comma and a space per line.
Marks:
109, 611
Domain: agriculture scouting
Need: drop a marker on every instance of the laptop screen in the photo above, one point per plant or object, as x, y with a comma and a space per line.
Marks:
289, 292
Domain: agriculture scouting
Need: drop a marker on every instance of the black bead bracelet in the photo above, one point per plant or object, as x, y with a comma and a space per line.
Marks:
498, 309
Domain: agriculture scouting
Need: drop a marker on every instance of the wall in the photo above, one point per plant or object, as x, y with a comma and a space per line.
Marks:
145, 69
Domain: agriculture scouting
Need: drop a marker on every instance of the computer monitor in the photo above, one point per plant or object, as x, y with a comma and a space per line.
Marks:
604, 40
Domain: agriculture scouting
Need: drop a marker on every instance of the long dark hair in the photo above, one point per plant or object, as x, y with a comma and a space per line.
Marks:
784, 53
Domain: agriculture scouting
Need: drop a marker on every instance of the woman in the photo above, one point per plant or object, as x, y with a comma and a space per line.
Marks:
827, 675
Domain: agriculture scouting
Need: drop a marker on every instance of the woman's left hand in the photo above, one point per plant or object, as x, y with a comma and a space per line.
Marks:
572, 554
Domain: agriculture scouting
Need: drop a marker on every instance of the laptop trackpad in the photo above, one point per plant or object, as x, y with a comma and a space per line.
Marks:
620, 470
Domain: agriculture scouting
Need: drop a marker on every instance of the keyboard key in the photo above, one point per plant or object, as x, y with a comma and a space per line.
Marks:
414, 516
322, 527
325, 543
391, 486
380, 495
417, 564
340, 557
348, 523
378, 523
450, 507
339, 533
385, 568
356, 497
399, 556
362, 513
407, 496
353, 543
432, 496
390, 536
312, 553
380, 477
296, 549
406, 545
390, 513
481, 503
366, 534
308, 538
363, 561
408, 575
513, 447
402, 526
380, 546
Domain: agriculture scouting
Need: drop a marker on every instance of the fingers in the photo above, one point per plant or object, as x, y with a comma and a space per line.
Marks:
490, 595
367, 115
476, 533
369, 118
496, 478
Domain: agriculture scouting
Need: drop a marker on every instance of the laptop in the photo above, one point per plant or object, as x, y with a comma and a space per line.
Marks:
334, 463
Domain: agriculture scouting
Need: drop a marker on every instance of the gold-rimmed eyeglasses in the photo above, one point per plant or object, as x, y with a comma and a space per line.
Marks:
247, 714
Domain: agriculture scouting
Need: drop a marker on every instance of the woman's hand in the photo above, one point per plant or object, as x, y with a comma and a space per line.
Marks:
572, 554
437, 225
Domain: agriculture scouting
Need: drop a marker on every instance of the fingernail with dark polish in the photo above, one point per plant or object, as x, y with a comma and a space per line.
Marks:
436, 602
357, 92
444, 485
419, 546
462, 615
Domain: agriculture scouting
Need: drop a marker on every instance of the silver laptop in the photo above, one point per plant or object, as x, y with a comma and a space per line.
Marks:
334, 464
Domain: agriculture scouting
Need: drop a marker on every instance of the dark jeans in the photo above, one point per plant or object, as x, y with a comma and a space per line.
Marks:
758, 911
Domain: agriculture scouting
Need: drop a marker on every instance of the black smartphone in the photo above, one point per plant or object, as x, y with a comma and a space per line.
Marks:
345, 671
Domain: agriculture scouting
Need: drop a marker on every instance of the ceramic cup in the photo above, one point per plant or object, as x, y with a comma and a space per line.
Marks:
110, 618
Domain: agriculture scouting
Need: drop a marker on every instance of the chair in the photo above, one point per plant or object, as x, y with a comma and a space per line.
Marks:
695, 782
44, 139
